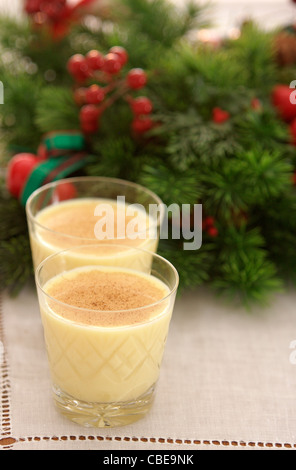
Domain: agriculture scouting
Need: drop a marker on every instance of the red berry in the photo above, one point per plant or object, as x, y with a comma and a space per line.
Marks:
121, 53
89, 113
256, 104
90, 127
78, 68
213, 231
64, 191
208, 222
141, 125
79, 96
112, 64
76, 63
220, 116
95, 60
18, 170
32, 6
52, 9
281, 100
136, 79
42, 152
294, 178
94, 94
141, 105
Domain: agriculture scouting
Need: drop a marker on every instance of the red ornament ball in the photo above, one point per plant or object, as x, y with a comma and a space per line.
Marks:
18, 171
136, 79
281, 100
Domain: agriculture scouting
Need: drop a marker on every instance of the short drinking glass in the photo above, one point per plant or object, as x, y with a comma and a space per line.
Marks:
105, 328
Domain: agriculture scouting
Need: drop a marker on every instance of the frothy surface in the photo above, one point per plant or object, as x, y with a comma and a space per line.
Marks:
108, 297
76, 218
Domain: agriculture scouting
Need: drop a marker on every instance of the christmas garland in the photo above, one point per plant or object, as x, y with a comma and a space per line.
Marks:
132, 96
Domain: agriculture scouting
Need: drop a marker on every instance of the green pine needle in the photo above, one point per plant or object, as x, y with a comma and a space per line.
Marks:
16, 263
160, 178
56, 110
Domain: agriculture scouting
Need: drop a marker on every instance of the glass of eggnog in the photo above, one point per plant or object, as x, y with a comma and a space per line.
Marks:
105, 328
91, 210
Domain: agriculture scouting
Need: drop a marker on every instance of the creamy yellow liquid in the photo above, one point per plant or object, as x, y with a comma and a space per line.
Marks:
105, 356
72, 223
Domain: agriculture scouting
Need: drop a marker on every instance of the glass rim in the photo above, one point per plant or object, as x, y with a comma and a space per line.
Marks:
172, 290
78, 179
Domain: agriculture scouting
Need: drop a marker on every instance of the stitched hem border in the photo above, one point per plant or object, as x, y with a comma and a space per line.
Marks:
5, 422
7, 443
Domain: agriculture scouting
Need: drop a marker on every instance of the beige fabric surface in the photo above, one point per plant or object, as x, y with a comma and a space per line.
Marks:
228, 381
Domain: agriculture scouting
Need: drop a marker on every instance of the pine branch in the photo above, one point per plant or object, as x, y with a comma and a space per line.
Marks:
278, 222
13, 221
56, 110
252, 178
218, 70
161, 21
244, 269
262, 126
240, 171
15, 253
113, 158
16, 263
251, 278
21, 93
194, 267
161, 178
192, 140
254, 53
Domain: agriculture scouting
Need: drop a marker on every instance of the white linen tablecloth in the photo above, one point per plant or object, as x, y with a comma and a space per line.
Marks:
228, 381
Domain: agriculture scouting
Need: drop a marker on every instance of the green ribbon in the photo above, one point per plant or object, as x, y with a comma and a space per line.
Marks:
58, 165
60, 141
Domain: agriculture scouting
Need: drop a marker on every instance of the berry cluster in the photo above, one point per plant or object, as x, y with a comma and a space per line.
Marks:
110, 85
45, 9
55, 15
209, 226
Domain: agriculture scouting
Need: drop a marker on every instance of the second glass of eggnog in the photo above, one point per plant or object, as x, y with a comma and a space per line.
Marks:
105, 329
87, 210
